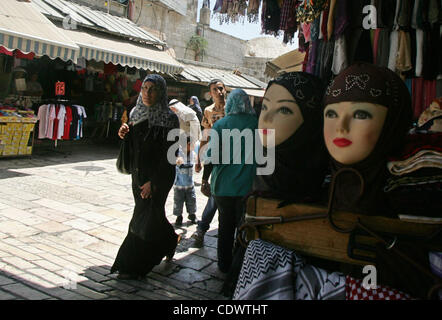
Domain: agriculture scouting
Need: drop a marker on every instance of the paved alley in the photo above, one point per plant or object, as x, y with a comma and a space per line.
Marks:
63, 215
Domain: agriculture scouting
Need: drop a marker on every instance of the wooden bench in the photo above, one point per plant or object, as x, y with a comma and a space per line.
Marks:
316, 237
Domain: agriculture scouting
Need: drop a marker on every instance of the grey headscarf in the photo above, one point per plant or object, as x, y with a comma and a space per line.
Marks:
159, 114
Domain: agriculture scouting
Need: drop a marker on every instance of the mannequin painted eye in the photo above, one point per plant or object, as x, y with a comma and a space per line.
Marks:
361, 114
330, 114
285, 110
352, 129
279, 112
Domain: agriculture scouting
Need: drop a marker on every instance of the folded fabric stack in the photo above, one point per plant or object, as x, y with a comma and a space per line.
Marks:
414, 187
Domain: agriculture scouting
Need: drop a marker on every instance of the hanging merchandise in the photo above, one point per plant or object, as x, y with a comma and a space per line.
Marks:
61, 122
253, 10
309, 10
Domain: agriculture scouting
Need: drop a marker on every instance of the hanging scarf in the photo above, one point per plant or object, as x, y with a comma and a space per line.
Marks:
301, 160
368, 83
159, 114
309, 10
271, 17
253, 10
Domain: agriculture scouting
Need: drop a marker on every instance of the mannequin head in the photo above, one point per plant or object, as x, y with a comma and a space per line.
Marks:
362, 108
352, 129
279, 112
291, 102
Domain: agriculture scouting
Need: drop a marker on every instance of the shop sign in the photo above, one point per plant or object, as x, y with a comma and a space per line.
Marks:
60, 88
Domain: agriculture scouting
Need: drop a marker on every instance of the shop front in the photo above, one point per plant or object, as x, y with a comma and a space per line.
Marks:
96, 67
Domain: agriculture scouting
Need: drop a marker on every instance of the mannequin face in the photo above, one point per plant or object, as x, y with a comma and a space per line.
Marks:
279, 112
149, 93
352, 129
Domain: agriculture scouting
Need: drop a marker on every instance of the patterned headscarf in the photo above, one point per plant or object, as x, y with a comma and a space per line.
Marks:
159, 114
366, 82
301, 160
238, 102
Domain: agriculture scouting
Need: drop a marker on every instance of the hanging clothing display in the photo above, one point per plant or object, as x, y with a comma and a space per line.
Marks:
60, 122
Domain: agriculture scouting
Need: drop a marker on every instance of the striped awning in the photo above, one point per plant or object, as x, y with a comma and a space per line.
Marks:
25, 28
119, 51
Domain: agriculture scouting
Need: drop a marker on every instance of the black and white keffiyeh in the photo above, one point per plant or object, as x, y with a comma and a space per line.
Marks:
270, 272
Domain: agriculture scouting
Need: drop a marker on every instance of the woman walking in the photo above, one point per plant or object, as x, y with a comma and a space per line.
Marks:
151, 237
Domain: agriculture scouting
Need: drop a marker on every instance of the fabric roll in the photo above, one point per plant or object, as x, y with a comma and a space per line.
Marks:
394, 47
419, 52
340, 61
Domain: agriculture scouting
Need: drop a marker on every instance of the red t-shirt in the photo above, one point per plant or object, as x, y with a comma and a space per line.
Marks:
67, 124
54, 134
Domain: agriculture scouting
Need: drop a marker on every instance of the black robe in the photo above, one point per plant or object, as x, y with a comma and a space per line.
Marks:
151, 237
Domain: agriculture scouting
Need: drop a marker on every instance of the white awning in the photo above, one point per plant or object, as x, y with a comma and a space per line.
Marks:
255, 93
23, 27
106, 49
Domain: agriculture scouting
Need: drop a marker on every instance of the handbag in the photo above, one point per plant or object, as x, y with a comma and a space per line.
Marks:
125, 157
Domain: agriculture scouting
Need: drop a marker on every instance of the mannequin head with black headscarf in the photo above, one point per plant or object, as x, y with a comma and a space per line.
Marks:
292, 107
367, 115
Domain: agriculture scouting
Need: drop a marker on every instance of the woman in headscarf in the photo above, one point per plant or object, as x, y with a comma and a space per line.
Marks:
194, 104
151, 237
367, 115
292, 107
233, 168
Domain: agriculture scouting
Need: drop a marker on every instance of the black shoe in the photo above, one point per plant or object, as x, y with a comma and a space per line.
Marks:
192, 218
127, 276
179, 221
170, 255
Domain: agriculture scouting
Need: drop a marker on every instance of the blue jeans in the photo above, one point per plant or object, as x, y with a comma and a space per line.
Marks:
182, 196
208, 214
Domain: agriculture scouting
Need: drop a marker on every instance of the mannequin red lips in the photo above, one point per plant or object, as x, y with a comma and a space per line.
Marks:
342, 142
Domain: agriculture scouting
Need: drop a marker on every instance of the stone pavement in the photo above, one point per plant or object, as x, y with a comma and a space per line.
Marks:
63, 215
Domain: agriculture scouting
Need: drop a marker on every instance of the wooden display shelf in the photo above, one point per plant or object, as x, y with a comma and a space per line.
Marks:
316, 237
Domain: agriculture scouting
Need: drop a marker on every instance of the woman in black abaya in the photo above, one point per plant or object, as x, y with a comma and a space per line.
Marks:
151, 237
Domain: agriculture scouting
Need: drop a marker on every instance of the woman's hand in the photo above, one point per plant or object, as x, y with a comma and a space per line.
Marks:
146, 190
124, 129
179, 161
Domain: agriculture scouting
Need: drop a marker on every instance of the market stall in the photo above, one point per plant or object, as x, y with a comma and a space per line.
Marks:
291, 245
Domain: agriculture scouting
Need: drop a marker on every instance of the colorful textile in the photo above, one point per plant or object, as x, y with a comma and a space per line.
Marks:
355, 291
422, 159
417, 142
